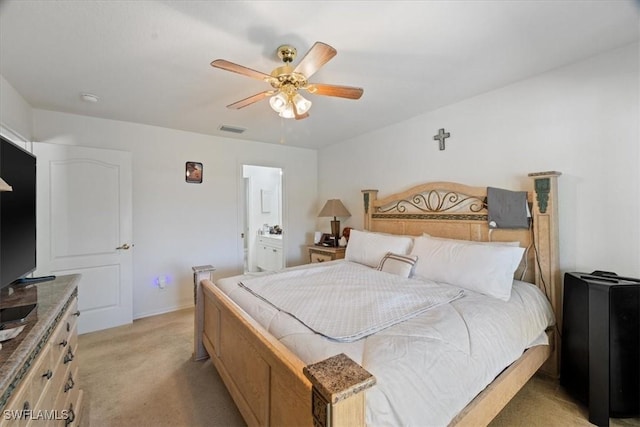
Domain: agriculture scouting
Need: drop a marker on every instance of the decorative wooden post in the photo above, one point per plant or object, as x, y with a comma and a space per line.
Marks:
545, 234
369, 196
200, 273
337, 393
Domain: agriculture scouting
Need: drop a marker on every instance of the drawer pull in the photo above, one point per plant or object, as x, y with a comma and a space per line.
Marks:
77, 313
63, 343
47, 374
319, 259
68, 326
71, 415
26, 406
70, 384
69, 356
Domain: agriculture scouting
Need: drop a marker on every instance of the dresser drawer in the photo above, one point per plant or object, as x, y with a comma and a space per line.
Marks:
323, 254
31, 393
65, 376
320, 257
42, 374
64, 332
68, 398
73, 410
15, 410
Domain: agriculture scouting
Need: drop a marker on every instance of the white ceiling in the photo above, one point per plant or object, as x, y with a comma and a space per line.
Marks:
148, 61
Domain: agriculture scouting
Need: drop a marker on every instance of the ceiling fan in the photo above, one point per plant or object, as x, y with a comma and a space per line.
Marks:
287, 81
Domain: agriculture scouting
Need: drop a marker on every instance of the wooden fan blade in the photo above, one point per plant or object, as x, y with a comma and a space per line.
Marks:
252, 99
335, 90
240, 69
319, 54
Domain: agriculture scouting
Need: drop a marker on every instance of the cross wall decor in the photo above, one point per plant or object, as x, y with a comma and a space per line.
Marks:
441, 136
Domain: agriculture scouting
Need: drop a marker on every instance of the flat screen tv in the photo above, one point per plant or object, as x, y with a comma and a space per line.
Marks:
17, 213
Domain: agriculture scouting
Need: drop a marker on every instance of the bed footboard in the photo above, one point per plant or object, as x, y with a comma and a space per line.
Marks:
495, 397
266, 380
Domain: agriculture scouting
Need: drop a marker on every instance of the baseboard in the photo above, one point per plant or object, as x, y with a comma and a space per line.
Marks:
163, 311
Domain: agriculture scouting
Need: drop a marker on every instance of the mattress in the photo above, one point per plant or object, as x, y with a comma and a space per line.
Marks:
430, 366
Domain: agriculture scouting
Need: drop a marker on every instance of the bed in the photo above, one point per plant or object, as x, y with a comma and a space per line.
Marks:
280, 372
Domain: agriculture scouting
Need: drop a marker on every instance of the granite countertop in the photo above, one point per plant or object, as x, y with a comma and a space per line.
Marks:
272, 236
338, 377
17, 354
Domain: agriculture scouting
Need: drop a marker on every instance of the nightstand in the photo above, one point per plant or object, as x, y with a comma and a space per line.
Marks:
325, 253
600, 344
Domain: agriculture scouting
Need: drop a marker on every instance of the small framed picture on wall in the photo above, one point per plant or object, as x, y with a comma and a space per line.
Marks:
193, 172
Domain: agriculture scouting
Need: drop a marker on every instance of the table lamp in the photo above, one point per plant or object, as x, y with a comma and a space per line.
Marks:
334, 208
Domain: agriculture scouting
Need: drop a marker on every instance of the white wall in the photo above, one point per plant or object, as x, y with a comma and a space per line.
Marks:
582, 120
178, 225
15, 113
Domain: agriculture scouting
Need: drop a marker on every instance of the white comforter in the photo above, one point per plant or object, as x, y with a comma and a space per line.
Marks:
428, 367
361, 300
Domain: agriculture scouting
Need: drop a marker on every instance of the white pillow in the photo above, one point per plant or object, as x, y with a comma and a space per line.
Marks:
487, 269
401, 265
368, 248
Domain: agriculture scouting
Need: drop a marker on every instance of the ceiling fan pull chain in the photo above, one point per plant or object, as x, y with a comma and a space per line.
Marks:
282, 141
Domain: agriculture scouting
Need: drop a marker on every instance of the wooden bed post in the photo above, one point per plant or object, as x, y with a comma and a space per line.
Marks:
369, 197
337, 393
547, 270
200, 273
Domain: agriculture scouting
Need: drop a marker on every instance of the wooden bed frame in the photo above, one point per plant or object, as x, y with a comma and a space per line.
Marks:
271, 386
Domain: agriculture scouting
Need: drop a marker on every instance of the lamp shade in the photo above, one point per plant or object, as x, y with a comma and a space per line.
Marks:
4, 186
278, 102
284, 101
302, 104
334, 208
287, 112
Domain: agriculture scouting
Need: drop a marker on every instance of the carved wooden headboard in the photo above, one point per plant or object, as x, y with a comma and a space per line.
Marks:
445, 209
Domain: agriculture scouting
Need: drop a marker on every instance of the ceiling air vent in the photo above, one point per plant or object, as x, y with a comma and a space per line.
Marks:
232, 129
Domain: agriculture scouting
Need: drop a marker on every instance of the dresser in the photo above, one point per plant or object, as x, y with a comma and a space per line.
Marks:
39, 368
325, 253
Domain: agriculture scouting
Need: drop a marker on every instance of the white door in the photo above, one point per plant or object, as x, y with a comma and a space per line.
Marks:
84, 226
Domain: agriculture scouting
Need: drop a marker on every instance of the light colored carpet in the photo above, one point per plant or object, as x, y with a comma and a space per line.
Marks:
143, 375
543, 402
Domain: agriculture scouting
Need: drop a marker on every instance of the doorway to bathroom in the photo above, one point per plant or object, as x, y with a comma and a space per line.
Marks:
263, 234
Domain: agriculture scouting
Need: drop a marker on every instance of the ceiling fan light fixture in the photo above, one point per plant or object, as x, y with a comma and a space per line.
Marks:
283, 104
302, 104
287, 112
279, 102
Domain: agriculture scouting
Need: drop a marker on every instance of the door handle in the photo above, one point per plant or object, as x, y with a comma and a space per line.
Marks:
125, 246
